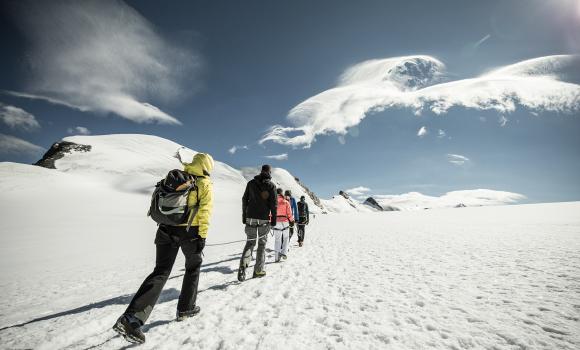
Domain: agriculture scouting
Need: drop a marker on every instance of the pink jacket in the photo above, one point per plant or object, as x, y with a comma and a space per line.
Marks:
284, 212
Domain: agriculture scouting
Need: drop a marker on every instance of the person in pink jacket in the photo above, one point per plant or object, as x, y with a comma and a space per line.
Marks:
281, 231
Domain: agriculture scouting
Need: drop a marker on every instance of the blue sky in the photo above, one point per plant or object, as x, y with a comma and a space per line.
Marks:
229, 70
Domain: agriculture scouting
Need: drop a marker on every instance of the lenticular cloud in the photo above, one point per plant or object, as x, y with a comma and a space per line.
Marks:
419, 82
101, 56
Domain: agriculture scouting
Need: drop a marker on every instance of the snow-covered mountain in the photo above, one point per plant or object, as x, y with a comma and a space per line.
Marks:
343, 203
130, 165
454, 199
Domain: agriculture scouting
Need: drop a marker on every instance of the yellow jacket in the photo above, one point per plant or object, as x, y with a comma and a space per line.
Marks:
201, 166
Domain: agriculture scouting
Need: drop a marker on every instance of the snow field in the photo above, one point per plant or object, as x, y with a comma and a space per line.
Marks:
489, 277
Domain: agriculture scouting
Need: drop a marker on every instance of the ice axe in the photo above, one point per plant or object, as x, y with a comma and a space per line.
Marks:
178, 156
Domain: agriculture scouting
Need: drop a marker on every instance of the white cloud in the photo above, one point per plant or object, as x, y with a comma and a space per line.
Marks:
358, 191
102, 56
283, 156
503, 120
14, 145
414, 82
17, 118
422, 131
234, 149
80, 130
441, 133
457, 159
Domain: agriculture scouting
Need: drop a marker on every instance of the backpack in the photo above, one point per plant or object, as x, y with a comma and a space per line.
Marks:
169, 200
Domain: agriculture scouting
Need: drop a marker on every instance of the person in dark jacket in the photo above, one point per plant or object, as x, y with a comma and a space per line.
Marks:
303, 219
259, 215
292, 201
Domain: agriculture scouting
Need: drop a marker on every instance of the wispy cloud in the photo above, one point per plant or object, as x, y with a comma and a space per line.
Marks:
13, 145
17, 118
457, 159
422, 131
481, 41
358, 191
234, 149
503, 121
102, 56
441, 133
414, 82
80, 130
283, 156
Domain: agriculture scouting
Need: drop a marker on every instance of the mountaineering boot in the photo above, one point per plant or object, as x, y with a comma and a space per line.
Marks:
259, 274
242, 273
283, 256
182, 315
300, 244
130, 328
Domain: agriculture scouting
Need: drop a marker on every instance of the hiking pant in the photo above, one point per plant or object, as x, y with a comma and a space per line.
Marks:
281, 239
256, 230
301, 232
167, 242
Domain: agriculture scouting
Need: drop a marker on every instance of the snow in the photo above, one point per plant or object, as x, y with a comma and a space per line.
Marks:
75, 244
469, 198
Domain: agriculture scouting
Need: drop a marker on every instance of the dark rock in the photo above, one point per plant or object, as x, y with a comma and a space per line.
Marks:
59, 150
390, 208
371, 202
460, 205
344, 194
311, 194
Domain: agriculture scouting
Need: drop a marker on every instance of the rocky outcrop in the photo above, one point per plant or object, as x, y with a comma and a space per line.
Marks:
390, 208
371, 202
59, 150
460, 205
344, 194
311, 194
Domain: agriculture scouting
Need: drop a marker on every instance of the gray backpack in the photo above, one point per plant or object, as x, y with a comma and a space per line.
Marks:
169, 200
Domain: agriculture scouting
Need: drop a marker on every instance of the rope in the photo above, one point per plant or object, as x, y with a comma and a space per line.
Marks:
241, 240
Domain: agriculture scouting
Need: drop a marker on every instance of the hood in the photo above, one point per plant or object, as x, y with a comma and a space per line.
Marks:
262, 177
201, 165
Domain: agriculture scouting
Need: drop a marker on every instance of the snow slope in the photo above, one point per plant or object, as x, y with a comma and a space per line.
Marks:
75, 244
493, 277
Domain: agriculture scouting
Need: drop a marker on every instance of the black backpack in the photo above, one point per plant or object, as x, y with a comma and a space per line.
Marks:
169, 200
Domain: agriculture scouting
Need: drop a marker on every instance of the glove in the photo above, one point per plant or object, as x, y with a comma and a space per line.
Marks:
291, 224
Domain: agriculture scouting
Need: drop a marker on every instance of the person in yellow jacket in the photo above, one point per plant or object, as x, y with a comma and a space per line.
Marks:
168, 240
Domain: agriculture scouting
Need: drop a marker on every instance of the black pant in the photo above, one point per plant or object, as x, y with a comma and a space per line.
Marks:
301, 232
291, 227
167, 241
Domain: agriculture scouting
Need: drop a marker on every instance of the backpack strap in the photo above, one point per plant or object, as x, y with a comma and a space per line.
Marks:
196, 207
